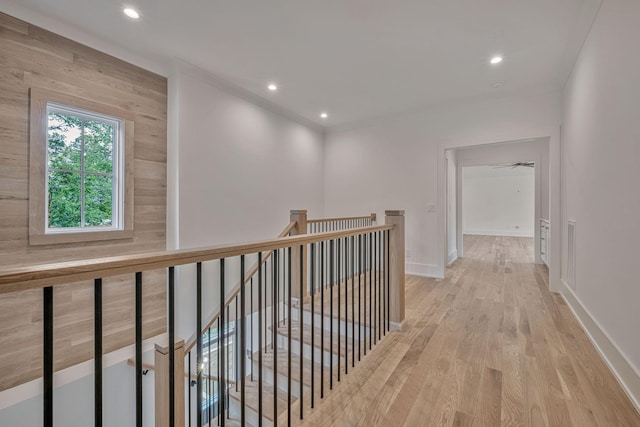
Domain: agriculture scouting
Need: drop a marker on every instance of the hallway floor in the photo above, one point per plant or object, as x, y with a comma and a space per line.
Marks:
487, 346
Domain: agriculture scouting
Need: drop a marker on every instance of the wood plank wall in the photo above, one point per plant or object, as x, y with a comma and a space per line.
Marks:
33, 57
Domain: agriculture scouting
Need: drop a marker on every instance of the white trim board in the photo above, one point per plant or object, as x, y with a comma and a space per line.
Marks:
453, 255
505, 233
423, 270
626, 374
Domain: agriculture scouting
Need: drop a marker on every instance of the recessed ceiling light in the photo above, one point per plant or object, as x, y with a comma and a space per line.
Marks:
496, 60
324, 115
272, 87
131, 13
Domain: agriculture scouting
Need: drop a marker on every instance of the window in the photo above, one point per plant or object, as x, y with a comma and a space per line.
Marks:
211, 370
83, 190
81, 170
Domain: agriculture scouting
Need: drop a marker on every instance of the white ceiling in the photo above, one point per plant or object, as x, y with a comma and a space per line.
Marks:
356, 59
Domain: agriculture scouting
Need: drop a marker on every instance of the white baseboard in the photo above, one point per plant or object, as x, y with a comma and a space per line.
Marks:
506, 233
424, 270
453, 255
627, 375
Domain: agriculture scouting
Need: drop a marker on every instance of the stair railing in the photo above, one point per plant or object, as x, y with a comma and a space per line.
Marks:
332, 224
358, 273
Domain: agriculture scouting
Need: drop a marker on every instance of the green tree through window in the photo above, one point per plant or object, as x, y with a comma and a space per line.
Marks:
80, 169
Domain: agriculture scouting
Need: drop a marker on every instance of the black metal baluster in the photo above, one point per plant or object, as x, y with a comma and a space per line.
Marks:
370, 239
209, 381
289, 304
251, 326
189, 389
353, 301
221, 349
199, 363
235, 343
388, 281
228, 360
274, 309
346, 305
259, 340
331, 277
242, 357
301, 321
47, 362
339, 279
139, 349
359, 294
97, 351
375, 293
322, 263
313, 315
379, 273
364, 301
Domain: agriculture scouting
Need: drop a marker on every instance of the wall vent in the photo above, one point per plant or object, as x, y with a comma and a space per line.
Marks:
571, 254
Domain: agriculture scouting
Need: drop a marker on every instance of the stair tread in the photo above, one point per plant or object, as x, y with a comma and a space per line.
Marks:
338, 340
345, 293
251, 397
267, 360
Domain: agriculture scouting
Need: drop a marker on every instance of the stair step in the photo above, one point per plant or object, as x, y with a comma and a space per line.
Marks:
338, 340
251, 398
229, 422
267, 361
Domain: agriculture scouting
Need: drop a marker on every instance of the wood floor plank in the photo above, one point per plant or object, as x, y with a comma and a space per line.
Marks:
489, 345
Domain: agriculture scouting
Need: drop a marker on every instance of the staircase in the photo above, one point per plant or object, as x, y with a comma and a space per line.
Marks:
316, 301
317, 344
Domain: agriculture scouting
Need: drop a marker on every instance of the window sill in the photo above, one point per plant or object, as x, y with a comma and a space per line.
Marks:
81, 237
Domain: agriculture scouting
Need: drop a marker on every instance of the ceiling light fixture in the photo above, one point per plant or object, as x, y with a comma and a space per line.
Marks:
496, 60
272, 87
131, 13
324, 115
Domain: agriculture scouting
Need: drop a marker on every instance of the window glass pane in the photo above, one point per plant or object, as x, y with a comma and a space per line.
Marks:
64, 141
98, 200
98, 146
64, 199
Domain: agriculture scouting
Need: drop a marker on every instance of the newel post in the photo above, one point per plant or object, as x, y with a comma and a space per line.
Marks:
162, 384
300, 217
396, 268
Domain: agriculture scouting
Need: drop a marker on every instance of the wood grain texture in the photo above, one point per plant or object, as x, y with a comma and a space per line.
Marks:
487, 346
31, 57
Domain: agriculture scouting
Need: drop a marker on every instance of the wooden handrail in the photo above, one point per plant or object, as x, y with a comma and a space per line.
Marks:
191, 342
64, 273
347, 218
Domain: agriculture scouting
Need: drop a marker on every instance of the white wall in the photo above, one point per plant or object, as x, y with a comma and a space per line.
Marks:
601, 150
399, 163
498, 201
534, 150
237, 169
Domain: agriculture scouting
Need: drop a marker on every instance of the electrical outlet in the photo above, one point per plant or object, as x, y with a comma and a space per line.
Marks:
407, 253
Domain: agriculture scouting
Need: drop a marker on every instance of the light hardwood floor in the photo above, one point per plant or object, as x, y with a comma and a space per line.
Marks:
487, 346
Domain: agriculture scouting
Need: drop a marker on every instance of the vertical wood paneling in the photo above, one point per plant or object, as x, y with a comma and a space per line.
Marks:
33, 57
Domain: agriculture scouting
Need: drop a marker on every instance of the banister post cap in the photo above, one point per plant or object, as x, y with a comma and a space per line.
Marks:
298, 211
394, 213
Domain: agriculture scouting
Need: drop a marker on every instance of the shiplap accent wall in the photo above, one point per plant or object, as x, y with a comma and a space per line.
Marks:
33, 57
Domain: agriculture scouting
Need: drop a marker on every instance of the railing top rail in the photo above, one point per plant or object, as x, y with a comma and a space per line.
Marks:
61, 273
339, 219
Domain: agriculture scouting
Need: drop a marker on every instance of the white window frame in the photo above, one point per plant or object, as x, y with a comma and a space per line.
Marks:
117, 192
41, 102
